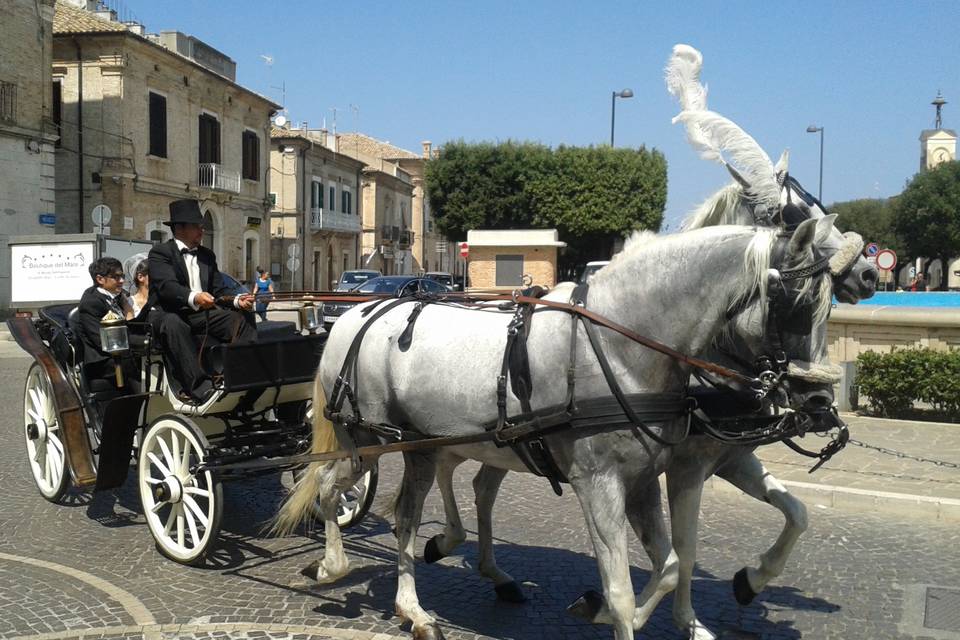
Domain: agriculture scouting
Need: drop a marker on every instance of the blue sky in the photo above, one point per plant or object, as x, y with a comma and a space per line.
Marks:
544, 71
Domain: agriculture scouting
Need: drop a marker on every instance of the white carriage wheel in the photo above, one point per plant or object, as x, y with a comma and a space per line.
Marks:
182, 510
45, 449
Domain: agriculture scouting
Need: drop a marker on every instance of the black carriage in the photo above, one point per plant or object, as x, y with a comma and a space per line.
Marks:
85, 433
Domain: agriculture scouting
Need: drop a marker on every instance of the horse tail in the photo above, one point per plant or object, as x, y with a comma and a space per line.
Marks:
318, 479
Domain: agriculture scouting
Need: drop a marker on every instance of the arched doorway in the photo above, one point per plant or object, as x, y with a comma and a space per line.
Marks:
156, 231
251, 254
208, 230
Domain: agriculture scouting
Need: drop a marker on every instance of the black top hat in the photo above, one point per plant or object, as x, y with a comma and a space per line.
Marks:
184, 212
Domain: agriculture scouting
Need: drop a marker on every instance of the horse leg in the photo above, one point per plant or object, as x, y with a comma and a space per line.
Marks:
684, 490
602, 501
418, 474
486, 484
646, 517
443, 544
747, 473
335, 563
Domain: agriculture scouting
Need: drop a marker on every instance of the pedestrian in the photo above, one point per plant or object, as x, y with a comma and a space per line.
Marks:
262, 288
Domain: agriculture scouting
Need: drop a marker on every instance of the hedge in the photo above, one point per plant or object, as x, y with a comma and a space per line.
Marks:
894, 381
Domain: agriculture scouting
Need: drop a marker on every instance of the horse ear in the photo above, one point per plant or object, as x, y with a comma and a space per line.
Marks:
781, 167
739, 178
825, 226
802, 239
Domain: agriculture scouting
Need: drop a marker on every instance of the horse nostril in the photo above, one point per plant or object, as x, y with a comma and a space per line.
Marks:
818, 401
870, 276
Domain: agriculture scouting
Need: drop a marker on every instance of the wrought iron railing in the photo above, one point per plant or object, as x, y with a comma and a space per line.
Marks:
214, 176
8, 101
326, 220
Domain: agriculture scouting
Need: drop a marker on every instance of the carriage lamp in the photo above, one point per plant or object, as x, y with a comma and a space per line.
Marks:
309, 317
115, 341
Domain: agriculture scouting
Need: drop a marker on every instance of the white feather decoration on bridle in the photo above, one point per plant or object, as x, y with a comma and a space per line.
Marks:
713, 135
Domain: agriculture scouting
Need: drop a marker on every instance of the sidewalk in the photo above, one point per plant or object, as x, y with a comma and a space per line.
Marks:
863, 478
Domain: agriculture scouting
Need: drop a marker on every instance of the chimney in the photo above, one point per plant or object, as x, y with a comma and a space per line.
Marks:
106, 14
136, 27
426, 149
336, 142
323, 136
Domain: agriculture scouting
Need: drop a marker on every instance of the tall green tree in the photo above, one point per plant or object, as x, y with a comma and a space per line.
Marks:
927, 214
591, 195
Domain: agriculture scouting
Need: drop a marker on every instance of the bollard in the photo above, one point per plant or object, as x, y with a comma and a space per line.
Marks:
847, 399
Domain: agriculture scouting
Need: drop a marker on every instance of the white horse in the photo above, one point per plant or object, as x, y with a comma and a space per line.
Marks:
698, 457
604, 466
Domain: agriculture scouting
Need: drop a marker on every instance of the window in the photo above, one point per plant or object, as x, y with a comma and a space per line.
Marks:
509, 270
333, 197
209, 139
158, 125
251, 156
346, 200
316, 194
8, 101
58, 106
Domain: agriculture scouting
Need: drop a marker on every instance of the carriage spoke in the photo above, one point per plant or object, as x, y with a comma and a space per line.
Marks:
197, 491
185, 457
192, 506
159, 465
192, 524
175, 453
54, 442
33, 414
180, 530
47, 469
171, 519
167, 456
157, 506
150, 480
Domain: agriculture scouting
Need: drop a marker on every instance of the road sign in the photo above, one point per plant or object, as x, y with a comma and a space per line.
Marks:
101, 215
293, 251
464, 249
886, 260
872, 249
293, 263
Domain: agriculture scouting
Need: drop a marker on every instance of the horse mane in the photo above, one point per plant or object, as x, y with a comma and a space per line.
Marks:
720, 208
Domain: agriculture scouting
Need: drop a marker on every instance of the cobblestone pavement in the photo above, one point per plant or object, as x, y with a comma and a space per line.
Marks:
89, 568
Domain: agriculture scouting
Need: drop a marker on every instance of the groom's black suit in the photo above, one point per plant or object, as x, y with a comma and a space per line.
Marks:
170, 287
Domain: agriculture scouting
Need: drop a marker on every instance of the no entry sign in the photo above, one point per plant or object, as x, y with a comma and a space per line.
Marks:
886, 260
464, 249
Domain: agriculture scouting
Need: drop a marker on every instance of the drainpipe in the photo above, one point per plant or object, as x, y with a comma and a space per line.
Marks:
303, 219
80, 131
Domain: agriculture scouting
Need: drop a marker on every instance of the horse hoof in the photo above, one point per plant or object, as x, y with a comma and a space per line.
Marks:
311, 570
587, 606
742, 590
428, 632
431, 551
510, 592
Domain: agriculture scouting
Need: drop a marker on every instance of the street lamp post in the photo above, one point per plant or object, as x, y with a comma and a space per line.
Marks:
815, 129
626, 93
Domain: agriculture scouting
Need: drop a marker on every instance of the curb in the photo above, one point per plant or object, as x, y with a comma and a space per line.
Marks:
831, 496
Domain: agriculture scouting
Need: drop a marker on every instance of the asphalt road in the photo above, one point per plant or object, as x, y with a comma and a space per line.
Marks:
89, 568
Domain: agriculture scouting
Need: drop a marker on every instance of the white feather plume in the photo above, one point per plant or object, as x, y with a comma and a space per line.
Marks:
683, 82
745, 155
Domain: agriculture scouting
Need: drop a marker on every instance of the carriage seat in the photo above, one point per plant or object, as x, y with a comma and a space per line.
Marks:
266, 363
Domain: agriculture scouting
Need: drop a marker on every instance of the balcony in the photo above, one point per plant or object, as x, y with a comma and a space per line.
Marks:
389, 233
214, 176
406, 238
326, 220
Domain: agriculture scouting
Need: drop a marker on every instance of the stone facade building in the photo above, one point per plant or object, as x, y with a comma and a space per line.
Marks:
317, 210
400, 235
143, 124
27, 129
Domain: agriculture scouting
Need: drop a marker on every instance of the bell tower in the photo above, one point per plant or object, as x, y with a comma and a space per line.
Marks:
937, 145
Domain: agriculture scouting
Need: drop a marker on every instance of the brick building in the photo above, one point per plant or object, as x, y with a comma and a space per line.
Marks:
27, 129
317, 209
147, 119
501, 259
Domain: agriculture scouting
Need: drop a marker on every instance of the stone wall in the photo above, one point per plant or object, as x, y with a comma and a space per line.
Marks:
853, 330
540, 263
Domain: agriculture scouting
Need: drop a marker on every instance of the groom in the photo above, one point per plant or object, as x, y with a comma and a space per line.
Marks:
185, 282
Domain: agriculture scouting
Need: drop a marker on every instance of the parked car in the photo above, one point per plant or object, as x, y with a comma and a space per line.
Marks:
350, 279
266, 329
444, 278
591, 270
394, 285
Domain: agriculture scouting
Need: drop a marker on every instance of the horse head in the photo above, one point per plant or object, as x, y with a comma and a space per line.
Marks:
780, 331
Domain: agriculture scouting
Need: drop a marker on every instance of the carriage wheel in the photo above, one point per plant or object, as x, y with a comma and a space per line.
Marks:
45, 450
183, 510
